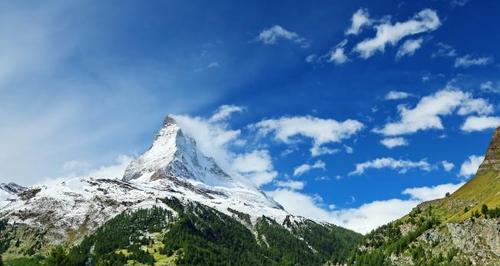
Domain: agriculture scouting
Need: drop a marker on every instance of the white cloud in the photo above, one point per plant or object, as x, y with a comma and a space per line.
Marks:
322, 150
291, 184
213, 64
490, 87
387, 33
79, 169
386, 162
447, 166
256, 165
460, 3
394, 142
444, 50
409, 47
468, 61
426, 114
479, 123
397, 95
225, 111
430, 193
365, 217
348, 149
275, 33
302, 169
359, 20
311, 58
214, 138
338, 56
469, 167
321, 131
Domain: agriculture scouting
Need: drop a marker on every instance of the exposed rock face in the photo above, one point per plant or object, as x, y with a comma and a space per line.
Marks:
477, 239
492, 157
12, 188
449, 231
480, 237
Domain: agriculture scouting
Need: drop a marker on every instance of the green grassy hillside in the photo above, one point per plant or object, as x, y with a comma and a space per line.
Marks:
456, 230
199, 235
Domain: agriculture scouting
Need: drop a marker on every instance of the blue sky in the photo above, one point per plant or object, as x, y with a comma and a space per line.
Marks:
84, 86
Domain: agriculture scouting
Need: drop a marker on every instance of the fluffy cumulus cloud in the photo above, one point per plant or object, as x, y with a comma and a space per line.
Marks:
394, 142
409, 47
272, 35
426, 114
402, 166
479, 123
256, 165
397, 95
304, 168
359, 20
364, 218
447, 166
321, 131
430, 193
468, 61
469, 167
388, 33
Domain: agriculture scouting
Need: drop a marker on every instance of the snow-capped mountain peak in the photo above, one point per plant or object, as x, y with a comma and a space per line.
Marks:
174, 154
172, 167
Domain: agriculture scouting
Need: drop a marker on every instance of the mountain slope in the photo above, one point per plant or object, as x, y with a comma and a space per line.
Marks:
460, 229
171, 197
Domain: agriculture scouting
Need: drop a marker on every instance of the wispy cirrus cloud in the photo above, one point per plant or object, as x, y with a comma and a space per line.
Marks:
274, 34
225, 111
468, 61
490, 87
397, 95
303, 168
409, 47
402, 166
388, 33
444, 50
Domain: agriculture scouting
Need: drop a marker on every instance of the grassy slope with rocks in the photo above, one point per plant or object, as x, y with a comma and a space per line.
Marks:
460, 229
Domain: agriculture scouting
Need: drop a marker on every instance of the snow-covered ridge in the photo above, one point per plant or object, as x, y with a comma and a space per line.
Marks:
172, 167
